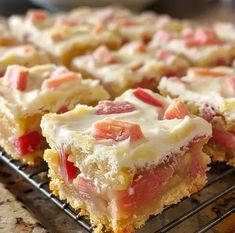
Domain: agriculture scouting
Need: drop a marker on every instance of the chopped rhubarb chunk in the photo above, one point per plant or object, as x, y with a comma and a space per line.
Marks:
162, 55
62, 109
146, 184
67, 168
57, 81
27, 143
162, 37
125, 22
37, 15
188, 32
103, 54
56, 37
86, 188
231, 83
67, 22
142, 47
202, 37
223, 138
177, 109
207, 36
113, 107
117, 131
169, 72
190, 43
208, 72
147, 82
147, 98
221, 61
16, 77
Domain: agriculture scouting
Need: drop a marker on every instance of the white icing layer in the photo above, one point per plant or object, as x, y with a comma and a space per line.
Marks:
201, 90
161, 137
37, 99
25, 55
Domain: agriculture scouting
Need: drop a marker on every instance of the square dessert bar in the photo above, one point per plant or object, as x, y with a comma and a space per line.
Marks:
124, 160
202, 46
25, 55
130, 67
209, 93
28, 93
62, 36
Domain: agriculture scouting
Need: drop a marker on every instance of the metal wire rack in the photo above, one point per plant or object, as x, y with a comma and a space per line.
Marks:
35, 177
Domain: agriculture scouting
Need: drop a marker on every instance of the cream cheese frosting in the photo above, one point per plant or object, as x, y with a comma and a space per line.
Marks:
205, 89
162, 138
202, 46
131, 64
26, 55
36, 99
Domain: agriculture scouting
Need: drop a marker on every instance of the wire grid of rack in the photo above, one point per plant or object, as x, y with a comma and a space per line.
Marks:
41, 184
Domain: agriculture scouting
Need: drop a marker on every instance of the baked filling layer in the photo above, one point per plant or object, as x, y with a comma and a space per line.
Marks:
22, 139
122, 211
221, 147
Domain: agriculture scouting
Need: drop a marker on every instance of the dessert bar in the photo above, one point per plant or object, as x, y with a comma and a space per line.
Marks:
28, 93
209, 93
124, 160
131, 66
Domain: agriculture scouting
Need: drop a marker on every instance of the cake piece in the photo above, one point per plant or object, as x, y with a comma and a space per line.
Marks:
28, 93
25, 55
202, 46
124, 160
130, 67
209, 93
63, 37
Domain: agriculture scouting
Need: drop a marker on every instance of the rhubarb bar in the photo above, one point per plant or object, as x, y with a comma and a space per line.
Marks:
209, 93
28, 93
63, 37
130, 67
25, 55
202, 46
124, 160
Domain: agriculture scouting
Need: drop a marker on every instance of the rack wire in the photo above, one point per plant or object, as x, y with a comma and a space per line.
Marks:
41, 183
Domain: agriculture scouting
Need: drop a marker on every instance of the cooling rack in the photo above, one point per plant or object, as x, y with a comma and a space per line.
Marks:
37, 178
